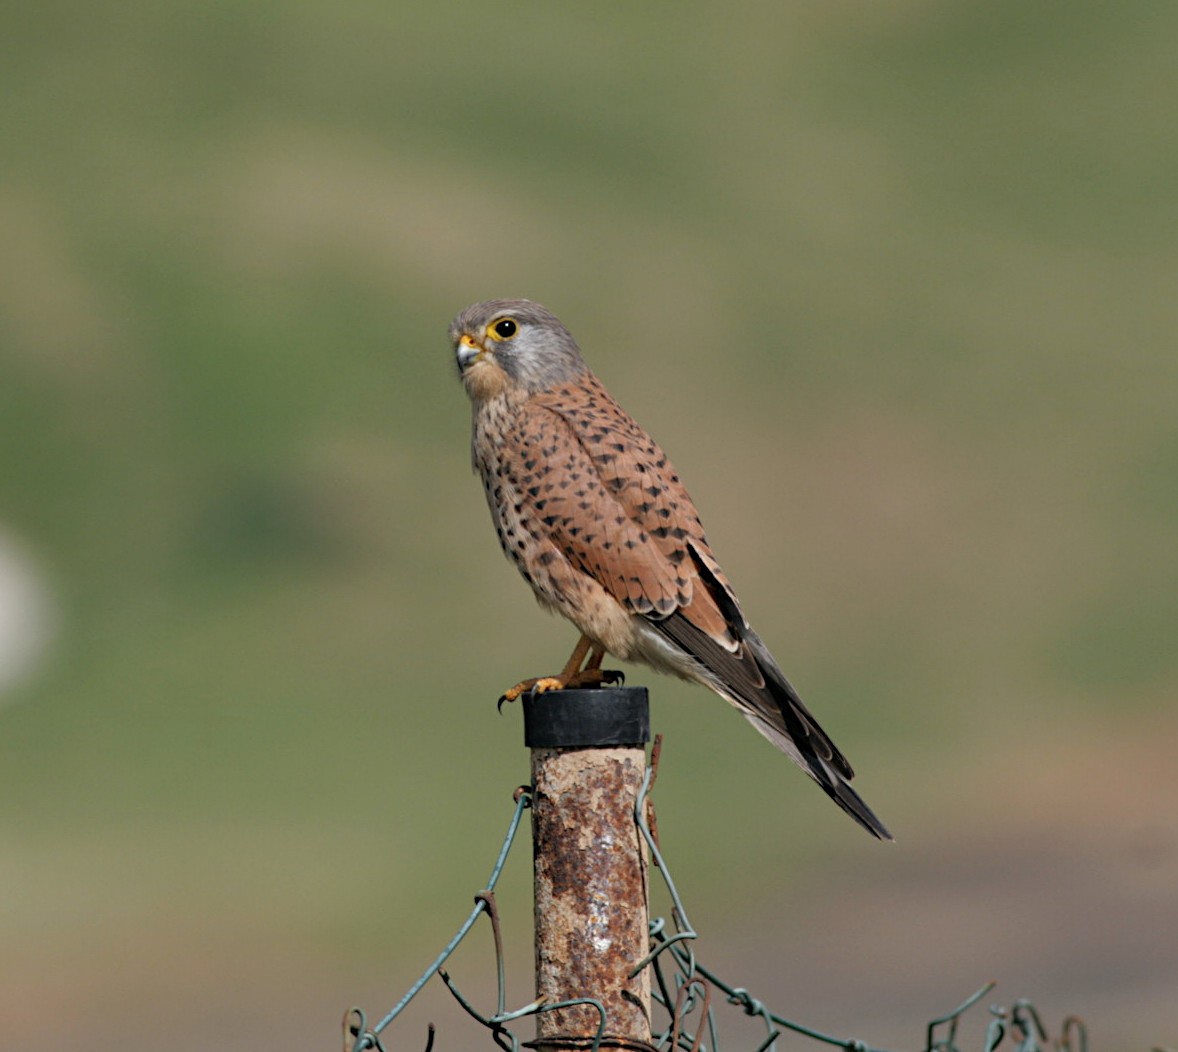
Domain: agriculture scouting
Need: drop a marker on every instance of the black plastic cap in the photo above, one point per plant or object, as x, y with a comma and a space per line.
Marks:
578, 719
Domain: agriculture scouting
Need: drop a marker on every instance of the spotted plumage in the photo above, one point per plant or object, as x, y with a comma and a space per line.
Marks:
596, 519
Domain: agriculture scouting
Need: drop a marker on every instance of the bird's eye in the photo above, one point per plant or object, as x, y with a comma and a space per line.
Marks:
505, 328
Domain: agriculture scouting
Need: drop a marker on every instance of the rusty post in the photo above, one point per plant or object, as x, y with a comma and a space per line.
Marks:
588, 763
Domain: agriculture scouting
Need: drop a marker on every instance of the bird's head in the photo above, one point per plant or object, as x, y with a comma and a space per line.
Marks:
512, 345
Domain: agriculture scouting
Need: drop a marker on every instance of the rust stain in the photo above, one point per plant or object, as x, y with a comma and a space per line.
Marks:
591, 910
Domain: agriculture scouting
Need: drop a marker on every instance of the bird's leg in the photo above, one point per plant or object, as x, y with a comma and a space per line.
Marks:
540, 684
572, 675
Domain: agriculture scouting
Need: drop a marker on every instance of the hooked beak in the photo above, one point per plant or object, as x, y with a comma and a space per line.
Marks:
468, 351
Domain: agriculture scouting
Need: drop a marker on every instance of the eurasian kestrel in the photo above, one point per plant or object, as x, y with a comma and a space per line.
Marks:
593, 515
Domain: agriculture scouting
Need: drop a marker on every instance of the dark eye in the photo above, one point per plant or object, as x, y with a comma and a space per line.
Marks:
505, 328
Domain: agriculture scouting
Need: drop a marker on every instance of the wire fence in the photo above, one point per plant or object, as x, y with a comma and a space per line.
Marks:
690, 998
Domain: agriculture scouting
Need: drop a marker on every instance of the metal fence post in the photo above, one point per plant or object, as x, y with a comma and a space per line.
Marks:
588, 763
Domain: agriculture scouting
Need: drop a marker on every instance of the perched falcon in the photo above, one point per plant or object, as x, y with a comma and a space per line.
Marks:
593, 515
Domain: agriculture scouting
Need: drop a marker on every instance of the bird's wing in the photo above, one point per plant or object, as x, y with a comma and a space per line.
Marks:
623, 471
626, 519
570, 500
645, 545
624, 494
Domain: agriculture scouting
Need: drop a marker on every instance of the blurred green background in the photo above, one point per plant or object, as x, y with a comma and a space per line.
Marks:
894, 283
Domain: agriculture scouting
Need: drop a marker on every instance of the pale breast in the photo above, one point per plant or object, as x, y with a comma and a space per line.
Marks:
505, 483
516, 485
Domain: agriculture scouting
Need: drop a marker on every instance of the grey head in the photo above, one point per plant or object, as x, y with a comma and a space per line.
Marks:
513, 343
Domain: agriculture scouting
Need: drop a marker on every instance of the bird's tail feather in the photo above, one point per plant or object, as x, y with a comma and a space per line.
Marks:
750, 679
808, 744
840, 791
832, 782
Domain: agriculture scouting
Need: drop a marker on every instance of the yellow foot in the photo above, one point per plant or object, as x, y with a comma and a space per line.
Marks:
539, 684
590, 677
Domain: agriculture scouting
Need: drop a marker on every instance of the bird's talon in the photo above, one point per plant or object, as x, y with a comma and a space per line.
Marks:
595, 677
513, 693
538, 685
589, 677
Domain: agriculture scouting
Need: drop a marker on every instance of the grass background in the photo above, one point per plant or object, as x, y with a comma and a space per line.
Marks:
895, 285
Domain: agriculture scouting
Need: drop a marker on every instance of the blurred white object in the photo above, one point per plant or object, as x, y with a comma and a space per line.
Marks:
25, 621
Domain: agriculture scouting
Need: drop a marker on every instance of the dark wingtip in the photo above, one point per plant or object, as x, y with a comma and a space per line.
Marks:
851, 802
